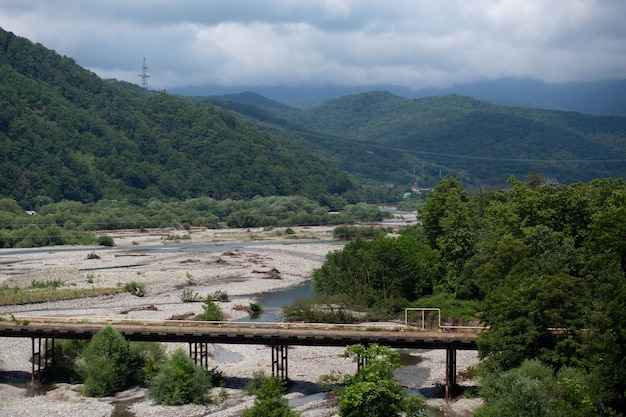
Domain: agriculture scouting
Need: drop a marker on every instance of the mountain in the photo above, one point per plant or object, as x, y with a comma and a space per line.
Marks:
67, 134
390, 138
606, 97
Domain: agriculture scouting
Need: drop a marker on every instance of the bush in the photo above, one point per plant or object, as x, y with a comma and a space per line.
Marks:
308, 311
357, 232
105, 241
373, 392
152, 356
135, 288
212, 312
189, 296
269, 401
109, 365
221, 296
180, 381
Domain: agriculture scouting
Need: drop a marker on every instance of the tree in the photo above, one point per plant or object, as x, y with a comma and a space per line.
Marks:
383, 272
373, 392
180, 381
449, 219
109, 364
534, 390
540, 317
269, 400
212, 312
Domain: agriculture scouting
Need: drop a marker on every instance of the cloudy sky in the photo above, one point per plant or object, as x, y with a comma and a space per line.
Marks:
410, 43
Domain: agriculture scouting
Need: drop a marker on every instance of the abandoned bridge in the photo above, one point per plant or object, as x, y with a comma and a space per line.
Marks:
278, 336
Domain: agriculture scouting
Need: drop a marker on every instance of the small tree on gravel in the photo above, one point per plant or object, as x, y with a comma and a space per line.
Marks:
212, 312
180, 381
269, 401
109, 365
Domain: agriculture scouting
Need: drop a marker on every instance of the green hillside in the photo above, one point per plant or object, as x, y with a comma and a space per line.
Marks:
485, 142
68, 135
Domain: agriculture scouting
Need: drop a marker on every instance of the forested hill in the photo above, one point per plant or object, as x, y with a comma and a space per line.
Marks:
67, 134
482, 143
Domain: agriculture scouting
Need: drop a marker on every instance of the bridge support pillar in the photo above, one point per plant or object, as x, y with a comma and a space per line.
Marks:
450, 371
42, 357
280, 362
199, 352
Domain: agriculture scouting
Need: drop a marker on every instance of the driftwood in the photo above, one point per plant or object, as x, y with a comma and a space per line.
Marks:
271, 274
151, 307
183, 316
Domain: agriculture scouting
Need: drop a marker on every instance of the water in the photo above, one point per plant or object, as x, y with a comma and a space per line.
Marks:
225, 356
272, 302
409, 376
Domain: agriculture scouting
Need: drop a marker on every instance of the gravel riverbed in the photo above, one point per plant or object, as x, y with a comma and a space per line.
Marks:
241, 262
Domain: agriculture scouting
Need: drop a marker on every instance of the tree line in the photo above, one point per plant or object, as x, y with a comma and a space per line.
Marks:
542, 266
72, 222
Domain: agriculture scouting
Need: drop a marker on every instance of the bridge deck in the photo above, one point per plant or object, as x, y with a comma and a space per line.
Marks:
240, 333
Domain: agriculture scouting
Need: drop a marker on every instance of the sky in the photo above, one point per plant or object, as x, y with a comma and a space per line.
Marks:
415, 44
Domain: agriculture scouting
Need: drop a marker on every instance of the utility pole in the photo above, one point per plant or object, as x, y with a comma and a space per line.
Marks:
144, 76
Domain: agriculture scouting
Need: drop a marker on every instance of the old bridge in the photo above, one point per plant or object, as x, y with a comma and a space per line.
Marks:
44, 330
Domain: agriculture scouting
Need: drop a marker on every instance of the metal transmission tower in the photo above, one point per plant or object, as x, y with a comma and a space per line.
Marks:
144, 76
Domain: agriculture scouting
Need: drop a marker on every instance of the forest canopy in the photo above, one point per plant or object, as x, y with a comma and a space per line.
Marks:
543, 267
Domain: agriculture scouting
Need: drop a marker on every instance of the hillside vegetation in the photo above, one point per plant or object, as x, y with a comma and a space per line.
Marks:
483, 144
66, 134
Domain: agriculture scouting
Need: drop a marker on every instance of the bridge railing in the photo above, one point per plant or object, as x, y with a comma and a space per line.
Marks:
424, 320
42, 320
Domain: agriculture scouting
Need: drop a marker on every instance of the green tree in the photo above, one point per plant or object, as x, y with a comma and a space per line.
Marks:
212, 312
373, 392
269, 400
109, 364
533, 390
538, 317
180, 381
449, 218
382, 272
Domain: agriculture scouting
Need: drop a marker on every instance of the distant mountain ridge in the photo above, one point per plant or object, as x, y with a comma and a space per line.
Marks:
480, 142
598, 97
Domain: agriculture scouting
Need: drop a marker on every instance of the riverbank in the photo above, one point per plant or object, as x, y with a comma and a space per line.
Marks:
240, 262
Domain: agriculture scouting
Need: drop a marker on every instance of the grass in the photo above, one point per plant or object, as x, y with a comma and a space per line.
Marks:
48, 284
16, 295
135, 288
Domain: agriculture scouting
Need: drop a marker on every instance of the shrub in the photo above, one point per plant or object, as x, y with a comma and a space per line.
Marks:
307, 310
189, 296
180, 381
152, 356
269, 401
221, 296
109, 365
135, 288
355, 232
373, 392
212, 312
105, 241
